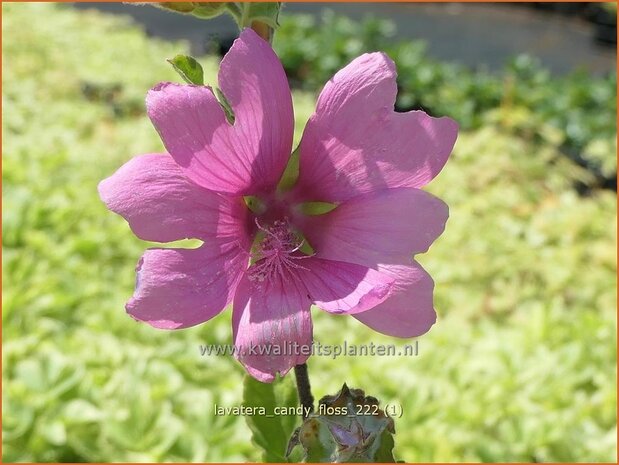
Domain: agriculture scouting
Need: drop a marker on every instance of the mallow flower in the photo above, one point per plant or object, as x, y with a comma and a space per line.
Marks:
265, 250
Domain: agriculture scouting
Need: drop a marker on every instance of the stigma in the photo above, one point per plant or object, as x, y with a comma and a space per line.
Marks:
277, 253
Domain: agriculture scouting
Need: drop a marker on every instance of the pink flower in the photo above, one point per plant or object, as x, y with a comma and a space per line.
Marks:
356, 152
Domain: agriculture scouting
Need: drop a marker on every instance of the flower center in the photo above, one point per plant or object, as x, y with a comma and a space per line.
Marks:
277, 252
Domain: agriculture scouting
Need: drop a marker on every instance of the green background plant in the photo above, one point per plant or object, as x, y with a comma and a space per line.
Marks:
520, 367
577, 111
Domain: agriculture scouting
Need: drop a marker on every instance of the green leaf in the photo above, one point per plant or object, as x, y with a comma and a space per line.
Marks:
81, 411
204, 10
270, 432
235, 11
178, 7
208, 10
54, 432
223, 101
383, 450
188, 68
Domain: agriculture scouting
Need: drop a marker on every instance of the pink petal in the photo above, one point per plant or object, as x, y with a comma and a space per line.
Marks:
355, 142
388, 226
271, 315
161, 204
339, 287
409, 311
179, 288
244, 158
254, 82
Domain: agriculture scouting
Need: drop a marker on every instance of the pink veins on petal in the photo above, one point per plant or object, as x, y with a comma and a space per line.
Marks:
356, 153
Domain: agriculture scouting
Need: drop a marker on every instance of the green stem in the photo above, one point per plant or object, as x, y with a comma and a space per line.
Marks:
244, 10
304, 389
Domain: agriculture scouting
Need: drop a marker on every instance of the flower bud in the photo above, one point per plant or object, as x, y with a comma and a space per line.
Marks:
347, 427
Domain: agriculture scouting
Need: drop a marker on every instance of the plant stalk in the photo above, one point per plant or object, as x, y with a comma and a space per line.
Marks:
304, 389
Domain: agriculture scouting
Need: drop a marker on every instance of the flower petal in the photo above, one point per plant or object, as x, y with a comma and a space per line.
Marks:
179, 288
409, 311
248, 156
355, 142
271, 322
253, 80
161, 204
388, 226
339, 287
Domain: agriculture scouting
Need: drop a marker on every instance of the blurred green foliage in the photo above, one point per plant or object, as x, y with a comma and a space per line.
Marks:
521, 365
581, 109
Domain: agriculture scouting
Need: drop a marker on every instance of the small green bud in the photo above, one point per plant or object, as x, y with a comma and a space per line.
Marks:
347, 427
